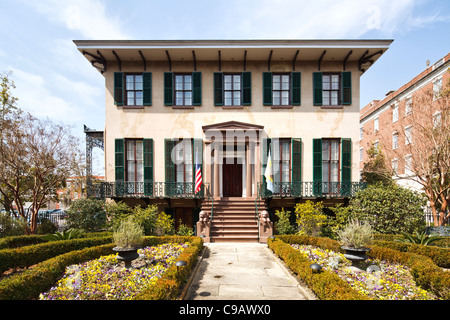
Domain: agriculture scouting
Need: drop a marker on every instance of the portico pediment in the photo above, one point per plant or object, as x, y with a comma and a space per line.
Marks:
232, 125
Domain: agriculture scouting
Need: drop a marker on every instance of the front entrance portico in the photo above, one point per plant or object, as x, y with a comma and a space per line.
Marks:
232, 158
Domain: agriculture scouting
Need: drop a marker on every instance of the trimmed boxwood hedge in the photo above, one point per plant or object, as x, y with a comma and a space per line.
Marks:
30, 283
325, 284
440, 256
30, 255
424, 271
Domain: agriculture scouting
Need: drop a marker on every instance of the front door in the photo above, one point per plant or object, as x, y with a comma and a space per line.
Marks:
232, 179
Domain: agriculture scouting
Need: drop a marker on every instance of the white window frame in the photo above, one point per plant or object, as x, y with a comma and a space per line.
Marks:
361, 154
361, 133
408, 106
437, 87
395, 140
408, 135
394, 163
376, 124
395, 113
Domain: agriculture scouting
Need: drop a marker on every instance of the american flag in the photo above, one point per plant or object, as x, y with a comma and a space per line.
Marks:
198, 175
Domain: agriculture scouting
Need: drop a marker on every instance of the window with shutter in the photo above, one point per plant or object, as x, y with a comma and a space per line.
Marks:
118, 88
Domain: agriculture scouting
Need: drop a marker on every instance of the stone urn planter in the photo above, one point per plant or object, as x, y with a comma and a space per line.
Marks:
126, 255
355, 255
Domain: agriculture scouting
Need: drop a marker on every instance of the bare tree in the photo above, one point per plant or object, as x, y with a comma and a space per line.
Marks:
425, 153
36, 158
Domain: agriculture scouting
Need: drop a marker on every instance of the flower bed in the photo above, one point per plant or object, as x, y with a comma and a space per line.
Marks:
105, 278
393, 282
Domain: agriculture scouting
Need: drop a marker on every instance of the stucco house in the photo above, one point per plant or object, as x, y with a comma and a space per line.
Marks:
231, 128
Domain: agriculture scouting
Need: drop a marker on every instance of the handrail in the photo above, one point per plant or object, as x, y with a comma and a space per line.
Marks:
256, 206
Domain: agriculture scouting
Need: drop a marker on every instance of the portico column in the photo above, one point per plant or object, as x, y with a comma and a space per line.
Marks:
216, 173
248, 179
257, 166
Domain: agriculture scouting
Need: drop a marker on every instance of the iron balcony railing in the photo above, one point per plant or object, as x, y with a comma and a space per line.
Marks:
180, 190
311, 189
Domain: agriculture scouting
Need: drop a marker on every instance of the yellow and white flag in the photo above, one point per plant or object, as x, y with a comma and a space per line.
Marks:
268, 173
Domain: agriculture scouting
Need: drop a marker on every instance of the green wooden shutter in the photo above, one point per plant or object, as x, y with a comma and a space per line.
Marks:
296, 89
147, 88
346, 88
196, 88
346, 161
317, 167
317, 88
246, 88
119, 146
168, 88
296, 165
118, 88
218, 88
148, 167
169, 144
267, 88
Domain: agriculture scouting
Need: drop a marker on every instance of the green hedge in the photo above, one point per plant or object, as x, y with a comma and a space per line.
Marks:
27, 240
30, 283
440, 256
326, 285
30, 255
424, 271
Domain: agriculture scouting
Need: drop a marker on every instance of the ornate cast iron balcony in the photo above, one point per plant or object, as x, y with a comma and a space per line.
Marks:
179, 190
311, 189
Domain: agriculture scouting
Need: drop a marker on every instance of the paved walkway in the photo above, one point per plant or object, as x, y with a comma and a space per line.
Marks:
243, 271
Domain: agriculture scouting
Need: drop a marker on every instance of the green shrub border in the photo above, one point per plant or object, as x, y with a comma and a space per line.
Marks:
30, 255
27, 240
424, 271
325, 284
440, 256
30, 283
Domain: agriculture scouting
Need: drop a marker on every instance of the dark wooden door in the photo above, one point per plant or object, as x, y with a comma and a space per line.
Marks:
232, 179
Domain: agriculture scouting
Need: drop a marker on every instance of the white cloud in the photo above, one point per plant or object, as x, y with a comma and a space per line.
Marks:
53, 96
88, 17
306, 19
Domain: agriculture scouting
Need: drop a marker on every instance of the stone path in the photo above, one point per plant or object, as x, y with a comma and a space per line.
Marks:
243, 271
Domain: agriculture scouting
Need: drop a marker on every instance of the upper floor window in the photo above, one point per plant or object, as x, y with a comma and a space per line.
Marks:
134, 90
437, 87
232, 89
183, 89
408, 106
361, 133
281, 89
332, 89
395, 140
376, 124
408, 135
395, 113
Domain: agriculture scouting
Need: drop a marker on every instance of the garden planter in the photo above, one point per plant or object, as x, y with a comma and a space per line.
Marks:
355, 255
126, 255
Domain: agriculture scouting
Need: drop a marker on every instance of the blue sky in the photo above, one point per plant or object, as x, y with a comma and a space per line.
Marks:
54, 80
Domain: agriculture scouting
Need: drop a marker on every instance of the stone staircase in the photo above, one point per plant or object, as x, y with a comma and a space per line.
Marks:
234, 219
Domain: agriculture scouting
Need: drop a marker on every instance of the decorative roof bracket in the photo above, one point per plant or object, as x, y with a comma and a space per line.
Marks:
143, 60
245, 60
170, 61
195, 60
118, 60
367, 59
295, 59
346, 58
321, 57
270, 59
97, 60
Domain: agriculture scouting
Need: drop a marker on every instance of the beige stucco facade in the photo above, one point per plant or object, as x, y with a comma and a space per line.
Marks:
305, 121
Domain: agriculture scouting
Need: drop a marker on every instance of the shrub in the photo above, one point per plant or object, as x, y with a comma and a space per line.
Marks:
310, 217
184, 230
65, 235
390, 210
46, 226
30, 283
10, 226
30, 255
356, 235
129, 234
283, 225
146, 217
86, 214
165, 225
